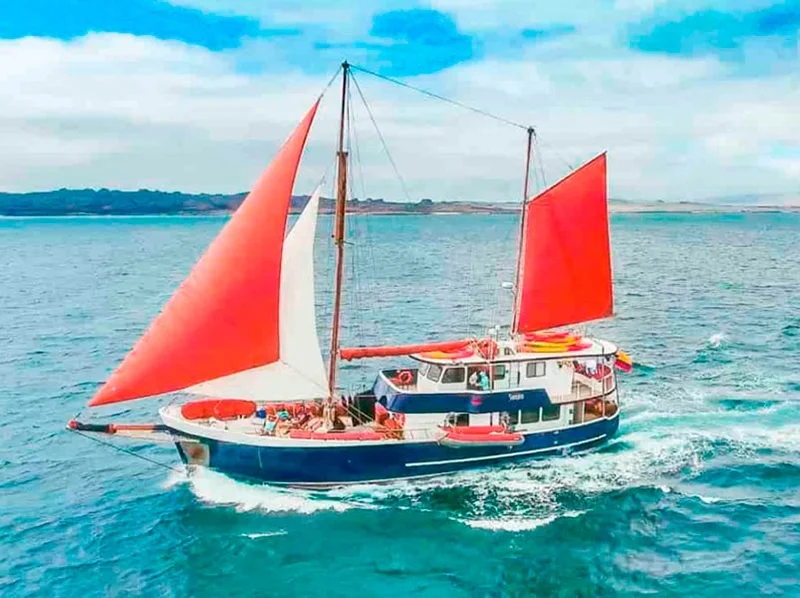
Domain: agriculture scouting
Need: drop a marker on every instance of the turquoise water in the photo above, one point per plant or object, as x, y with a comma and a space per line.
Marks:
699, 495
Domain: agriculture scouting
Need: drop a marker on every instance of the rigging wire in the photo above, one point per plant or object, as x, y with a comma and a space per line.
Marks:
356, 294
331, 80
130, 452
442, 98
383, 141
365, 251
538, 158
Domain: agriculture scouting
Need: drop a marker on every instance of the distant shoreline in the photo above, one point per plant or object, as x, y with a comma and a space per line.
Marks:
716, 210
105, 202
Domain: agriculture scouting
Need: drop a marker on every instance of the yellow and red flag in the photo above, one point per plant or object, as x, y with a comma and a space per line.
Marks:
623, 361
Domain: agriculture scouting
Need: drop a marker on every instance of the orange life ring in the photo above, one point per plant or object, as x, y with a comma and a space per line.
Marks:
405, 377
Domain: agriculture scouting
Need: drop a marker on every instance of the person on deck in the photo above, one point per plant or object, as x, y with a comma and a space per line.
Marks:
337, 424
473, 383
269, 426
483, 380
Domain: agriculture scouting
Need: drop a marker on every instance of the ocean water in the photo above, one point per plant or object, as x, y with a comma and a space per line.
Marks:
698, 495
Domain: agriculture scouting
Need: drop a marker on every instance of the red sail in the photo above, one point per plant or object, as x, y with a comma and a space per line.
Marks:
565, 275
224, 318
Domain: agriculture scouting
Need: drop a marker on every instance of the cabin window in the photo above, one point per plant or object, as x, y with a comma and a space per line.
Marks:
478, 378
536, 369
509, 418
423, 369
453, 376
551, 412
529, 417
499, 372
434, 372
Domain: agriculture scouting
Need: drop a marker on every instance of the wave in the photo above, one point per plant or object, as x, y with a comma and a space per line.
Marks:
217, 489
255, 536
717, 339
517, 524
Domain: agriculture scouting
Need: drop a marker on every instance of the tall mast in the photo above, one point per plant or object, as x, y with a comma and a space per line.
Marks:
521, 247
338, 234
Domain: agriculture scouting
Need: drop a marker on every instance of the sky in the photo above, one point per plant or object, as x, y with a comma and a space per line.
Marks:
692, 99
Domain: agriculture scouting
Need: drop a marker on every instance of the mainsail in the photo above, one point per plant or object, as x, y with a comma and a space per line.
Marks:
232, 314
565, 272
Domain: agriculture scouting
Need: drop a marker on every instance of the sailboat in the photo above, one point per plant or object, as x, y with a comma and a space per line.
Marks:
241, 332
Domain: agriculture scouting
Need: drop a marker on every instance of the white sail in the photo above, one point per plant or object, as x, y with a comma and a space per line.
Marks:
299, 374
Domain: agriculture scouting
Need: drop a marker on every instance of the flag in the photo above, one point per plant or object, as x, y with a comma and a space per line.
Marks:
623, 361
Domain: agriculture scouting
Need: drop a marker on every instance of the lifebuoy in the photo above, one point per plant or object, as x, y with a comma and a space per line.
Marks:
405, 377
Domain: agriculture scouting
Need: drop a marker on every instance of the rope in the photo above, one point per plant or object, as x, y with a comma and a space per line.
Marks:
538, 158
443, 98
330, 82
383, 142
129, 452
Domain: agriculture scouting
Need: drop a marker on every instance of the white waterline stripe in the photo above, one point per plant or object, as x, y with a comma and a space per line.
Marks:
507, 455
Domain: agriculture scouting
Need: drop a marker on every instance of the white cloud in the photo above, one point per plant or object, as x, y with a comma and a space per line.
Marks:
130, 112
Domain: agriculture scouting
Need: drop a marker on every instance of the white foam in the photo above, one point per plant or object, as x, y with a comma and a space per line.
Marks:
175, 478
255, 536
517, 524
217, 489
709, 500
717, 339
509, 525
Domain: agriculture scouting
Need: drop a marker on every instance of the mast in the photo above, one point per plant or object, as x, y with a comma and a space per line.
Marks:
338, 235
521, 246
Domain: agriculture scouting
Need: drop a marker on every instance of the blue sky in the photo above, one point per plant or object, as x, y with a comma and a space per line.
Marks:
692, 98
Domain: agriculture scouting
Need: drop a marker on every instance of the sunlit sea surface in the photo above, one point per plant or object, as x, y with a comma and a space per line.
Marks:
698, 495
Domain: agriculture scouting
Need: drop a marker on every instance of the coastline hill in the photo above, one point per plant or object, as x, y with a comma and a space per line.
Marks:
66, 202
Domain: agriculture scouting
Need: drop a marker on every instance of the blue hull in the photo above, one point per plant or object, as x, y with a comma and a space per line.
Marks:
338, 465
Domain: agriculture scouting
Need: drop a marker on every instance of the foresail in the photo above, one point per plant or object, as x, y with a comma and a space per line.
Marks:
565, 274
300, 372
224, 318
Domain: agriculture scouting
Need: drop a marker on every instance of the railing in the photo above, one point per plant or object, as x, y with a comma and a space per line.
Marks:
585, 387
422, 434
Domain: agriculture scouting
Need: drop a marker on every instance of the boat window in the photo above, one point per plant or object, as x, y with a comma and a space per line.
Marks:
478, 378
423, 369
434, 372
453, 376
529, 417
509, 418
551, 412
536, 369
499, 372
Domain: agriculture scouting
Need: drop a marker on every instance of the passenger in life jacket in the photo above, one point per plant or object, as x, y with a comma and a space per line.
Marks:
483, 380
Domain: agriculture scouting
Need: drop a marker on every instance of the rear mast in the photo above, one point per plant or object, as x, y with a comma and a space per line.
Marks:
521, 246
339, 235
